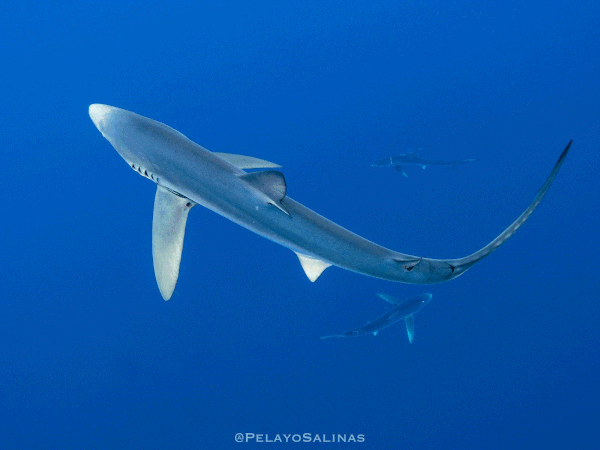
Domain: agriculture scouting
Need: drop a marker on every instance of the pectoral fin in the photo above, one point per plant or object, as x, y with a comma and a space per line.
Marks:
168, 231
245, 162
313, 267
401, 170
410, 327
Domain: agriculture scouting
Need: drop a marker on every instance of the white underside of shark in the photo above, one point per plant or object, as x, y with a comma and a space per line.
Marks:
187, 174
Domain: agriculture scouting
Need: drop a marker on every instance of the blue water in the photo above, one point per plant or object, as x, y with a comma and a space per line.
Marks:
505, 356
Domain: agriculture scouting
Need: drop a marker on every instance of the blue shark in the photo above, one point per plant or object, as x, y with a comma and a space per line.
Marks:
403, 309
187, 174
410, 158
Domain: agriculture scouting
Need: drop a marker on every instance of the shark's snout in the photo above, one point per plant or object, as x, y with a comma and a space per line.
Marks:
98, 113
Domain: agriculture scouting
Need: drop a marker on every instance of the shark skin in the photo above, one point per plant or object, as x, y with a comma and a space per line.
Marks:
403, 309
257, 201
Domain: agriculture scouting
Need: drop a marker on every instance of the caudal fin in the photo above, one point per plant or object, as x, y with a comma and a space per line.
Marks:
468, 261
420, 270
331, 336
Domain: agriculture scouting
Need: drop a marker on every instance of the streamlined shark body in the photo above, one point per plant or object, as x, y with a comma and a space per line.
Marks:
403, 309
412, 159
187, 174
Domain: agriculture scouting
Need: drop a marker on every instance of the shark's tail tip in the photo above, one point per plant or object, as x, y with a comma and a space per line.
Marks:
327, 337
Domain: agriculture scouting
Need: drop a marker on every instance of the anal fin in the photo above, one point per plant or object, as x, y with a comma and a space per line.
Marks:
168, 231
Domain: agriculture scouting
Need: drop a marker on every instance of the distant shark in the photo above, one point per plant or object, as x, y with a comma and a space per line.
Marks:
411, 159
403, 309
187, 174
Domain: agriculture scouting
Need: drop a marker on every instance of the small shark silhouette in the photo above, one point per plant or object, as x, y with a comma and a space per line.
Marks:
403, 309
410, 158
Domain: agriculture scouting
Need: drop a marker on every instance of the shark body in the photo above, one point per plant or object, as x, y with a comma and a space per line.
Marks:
187, 174
403, 309
412, 159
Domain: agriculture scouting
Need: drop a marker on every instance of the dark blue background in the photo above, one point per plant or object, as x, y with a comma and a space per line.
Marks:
504, 356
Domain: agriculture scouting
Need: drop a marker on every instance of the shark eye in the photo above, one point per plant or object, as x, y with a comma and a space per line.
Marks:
188, 204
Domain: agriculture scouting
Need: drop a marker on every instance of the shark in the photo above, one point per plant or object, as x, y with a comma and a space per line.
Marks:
403, 309
186, 174
410, 158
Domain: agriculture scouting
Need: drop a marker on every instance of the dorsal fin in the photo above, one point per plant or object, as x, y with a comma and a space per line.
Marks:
271, 184
245, 162
168, 230
313, 267
390, 299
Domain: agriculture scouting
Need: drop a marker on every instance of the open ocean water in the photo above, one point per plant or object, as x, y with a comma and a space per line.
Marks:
506, 356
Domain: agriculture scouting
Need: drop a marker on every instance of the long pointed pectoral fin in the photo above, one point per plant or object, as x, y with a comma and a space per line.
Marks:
313, 267
168, 231
410, 327
401, 170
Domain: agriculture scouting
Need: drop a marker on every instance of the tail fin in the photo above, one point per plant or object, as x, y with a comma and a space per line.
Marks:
419, 270
468, 261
